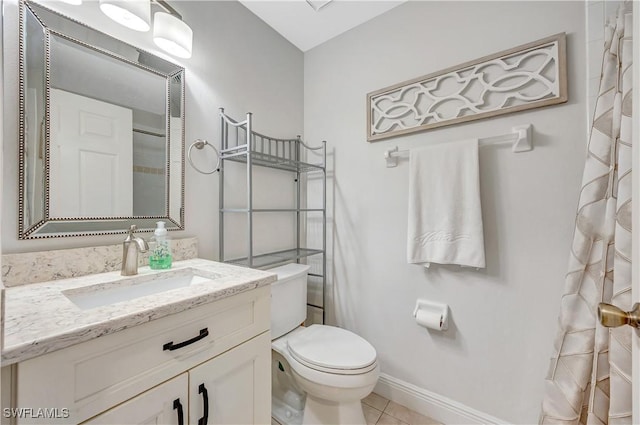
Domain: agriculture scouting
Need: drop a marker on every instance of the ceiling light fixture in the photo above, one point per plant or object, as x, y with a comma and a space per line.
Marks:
134, 14
170, 33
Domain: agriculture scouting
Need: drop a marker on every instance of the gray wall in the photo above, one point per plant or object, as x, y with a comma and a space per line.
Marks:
238, 63
495, 355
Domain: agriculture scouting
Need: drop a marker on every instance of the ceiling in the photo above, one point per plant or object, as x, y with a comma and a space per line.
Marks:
307, 24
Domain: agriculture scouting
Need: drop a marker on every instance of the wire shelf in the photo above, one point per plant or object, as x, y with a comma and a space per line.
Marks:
272, 161
264, 260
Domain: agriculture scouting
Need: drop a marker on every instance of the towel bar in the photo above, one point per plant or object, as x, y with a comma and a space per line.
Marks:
521, 137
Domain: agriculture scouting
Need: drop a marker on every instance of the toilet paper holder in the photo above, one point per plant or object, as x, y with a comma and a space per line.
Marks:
432, 314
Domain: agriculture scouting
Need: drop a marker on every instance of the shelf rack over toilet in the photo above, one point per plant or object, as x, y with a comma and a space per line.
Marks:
282, 154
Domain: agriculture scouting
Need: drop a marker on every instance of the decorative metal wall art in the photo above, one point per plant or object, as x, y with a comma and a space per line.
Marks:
525, 77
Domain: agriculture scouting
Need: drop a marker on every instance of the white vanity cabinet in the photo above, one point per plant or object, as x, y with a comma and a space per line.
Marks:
218, 352
228, 389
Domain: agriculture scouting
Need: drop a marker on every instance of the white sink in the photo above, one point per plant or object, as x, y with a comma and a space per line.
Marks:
127, 289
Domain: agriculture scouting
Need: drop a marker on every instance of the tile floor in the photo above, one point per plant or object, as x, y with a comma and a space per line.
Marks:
380, 411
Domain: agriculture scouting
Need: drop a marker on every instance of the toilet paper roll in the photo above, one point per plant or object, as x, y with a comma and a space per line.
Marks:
431, 319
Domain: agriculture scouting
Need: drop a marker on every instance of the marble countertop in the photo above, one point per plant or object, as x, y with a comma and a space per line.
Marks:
40, 318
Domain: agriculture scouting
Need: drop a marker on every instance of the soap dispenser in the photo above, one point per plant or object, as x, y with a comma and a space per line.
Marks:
160, 256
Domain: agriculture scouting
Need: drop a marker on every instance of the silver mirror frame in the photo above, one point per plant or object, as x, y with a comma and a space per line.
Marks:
50, 227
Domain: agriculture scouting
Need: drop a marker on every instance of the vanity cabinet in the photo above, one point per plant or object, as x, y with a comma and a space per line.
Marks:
228, 389
217, 352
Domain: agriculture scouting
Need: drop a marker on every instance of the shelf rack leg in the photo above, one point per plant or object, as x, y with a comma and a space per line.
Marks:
249, 194
298, 206
223, 146
324, 231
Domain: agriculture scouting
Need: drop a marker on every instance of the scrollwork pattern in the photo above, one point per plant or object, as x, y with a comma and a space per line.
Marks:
499, 84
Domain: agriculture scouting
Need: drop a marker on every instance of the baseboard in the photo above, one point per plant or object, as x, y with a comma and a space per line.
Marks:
444, 410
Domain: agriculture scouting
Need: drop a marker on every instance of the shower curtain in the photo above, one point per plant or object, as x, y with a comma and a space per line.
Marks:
589, 378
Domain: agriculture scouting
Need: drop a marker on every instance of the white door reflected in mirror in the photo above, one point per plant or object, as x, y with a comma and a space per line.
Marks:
91, 157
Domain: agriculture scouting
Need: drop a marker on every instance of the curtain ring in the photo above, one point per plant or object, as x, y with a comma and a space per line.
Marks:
200, 144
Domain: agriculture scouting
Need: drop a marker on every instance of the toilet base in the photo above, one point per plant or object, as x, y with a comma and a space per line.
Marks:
318, 411
284, 413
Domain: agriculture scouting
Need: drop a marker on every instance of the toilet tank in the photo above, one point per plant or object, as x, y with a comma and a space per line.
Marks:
288, 298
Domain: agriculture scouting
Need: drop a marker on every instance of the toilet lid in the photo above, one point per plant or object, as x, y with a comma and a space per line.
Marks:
324, 347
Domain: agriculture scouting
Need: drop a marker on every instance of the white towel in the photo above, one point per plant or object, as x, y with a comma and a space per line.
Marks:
445, 217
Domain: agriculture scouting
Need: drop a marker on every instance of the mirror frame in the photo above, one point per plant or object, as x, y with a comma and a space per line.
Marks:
50, 227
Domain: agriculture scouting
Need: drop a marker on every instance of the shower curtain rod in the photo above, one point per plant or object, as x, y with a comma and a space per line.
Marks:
520, 137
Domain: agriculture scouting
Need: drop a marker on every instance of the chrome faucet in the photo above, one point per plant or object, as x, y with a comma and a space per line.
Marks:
130, 247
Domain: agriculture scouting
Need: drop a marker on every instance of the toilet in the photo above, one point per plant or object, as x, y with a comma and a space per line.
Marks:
320, 373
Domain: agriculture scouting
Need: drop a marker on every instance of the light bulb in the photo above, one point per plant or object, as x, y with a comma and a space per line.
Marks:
134, 14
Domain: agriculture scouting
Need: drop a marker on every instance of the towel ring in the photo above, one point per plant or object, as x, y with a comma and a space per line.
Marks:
200, 144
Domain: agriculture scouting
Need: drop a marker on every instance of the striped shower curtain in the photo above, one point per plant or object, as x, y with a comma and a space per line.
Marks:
589, 378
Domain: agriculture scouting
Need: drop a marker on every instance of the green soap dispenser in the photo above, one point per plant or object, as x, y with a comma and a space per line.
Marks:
160, 256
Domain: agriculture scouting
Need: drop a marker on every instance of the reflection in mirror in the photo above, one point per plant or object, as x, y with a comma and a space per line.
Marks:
101, 140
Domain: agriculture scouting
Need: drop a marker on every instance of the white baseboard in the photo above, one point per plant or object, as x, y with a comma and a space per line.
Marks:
442, 409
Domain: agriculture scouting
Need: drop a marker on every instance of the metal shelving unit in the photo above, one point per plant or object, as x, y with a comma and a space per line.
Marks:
239, 143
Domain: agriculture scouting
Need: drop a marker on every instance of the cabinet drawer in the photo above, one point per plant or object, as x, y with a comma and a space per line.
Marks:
91, 377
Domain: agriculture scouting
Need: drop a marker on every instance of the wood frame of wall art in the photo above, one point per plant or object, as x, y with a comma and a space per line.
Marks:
528, 76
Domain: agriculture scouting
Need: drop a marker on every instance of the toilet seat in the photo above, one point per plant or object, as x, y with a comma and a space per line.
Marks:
332, 350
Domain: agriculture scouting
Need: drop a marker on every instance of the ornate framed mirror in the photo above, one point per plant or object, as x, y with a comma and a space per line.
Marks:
101, 131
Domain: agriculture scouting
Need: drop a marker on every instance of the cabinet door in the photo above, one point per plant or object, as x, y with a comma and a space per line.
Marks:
233, 388
166, 404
